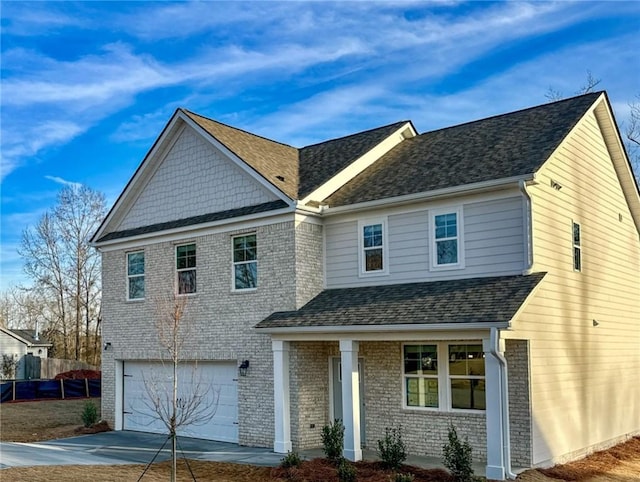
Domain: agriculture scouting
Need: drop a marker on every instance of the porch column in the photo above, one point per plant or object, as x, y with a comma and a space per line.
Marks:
493, 389
282, 442
350, 400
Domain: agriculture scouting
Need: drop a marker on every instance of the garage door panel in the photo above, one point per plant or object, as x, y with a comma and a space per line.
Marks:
214, 382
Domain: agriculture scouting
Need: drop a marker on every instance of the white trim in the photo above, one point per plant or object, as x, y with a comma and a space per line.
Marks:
363, 162
251, 221
281, 397
128, 276
433, 261
361, 248
233, 264
361, 331
445, 399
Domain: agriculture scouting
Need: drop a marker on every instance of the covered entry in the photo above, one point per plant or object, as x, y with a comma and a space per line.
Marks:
215, 382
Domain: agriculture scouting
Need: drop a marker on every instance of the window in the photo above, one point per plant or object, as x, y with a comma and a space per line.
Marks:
421, 375
373, 247
446, 239
457, 383
245, 262
135, 275
186, 268
466, 377
577, 253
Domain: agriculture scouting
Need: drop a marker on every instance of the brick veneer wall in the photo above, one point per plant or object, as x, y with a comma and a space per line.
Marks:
220, 321
517, 355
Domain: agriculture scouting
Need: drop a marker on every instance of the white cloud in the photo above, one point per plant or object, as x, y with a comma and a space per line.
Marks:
64, 182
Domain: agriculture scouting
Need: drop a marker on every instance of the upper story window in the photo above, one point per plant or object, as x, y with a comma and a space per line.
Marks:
135, 275
186, 268
446, 239
577, 249
245, 262
373, 246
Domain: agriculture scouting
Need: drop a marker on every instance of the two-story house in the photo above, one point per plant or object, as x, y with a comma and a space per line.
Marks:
485, 275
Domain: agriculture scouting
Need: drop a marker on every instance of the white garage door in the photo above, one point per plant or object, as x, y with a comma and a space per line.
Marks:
215, 382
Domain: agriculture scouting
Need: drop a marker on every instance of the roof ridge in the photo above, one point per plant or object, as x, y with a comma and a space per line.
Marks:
504, 114
355, 134
237, 128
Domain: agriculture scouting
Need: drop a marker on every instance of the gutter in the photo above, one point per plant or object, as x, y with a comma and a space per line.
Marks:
504, 405
528, 225
327, 329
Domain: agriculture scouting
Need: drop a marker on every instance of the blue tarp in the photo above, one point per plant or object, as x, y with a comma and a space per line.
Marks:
41, 389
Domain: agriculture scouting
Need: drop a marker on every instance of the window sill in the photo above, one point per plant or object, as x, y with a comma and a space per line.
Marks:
134, 300
372, 274
246, 290
446, 267
449, 411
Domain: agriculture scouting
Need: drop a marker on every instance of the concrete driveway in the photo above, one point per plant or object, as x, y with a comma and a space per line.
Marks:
122, 447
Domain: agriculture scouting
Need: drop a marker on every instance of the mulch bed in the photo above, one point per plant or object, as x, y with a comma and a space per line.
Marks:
321, 470
595, 464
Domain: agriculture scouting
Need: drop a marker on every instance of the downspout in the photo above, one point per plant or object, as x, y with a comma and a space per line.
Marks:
504, 395
528, 226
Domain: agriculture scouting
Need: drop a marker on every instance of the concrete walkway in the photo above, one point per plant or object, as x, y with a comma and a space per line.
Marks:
125, 447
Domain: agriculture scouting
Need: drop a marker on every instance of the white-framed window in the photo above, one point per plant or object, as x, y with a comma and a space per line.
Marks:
135, 275
372, 239
186, 269
245, 262
467, 376
447, 241
443, 376
577, 247
420, 368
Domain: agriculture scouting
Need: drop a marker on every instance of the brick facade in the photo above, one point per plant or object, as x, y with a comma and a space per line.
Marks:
220, 322
517, 355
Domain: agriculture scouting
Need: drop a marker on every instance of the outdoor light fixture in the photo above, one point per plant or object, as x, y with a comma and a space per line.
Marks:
244, 366
107, 346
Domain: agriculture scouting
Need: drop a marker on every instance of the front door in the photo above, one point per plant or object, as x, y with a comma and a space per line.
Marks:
336, 383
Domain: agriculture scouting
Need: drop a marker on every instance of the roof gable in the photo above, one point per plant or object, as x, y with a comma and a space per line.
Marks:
504, 146
276, 162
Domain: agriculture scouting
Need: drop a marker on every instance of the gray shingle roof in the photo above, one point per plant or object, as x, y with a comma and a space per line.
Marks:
29, 336
476, 300
320, 162
508, 145
204, 218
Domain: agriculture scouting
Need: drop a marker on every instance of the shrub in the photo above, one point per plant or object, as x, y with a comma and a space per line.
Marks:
398, 477
292, 459
346, 471
392, 449
333, 441
458, 457
89, 414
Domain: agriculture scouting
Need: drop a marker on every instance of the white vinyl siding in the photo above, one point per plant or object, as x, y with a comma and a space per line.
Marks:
578, 370
493, 246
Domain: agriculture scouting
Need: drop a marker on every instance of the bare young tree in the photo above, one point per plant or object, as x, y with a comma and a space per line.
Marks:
177, 401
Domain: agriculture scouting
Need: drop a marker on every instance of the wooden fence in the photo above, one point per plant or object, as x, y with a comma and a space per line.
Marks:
50, 367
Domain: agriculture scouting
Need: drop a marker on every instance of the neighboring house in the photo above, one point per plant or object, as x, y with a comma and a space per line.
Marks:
485, 275
18, 345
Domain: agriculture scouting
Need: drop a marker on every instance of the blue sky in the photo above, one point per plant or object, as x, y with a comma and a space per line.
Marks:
88, 86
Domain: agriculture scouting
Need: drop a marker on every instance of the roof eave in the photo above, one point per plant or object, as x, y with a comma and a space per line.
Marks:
408, 327
473, 188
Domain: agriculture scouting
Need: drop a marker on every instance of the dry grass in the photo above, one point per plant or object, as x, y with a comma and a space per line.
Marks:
42, 420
